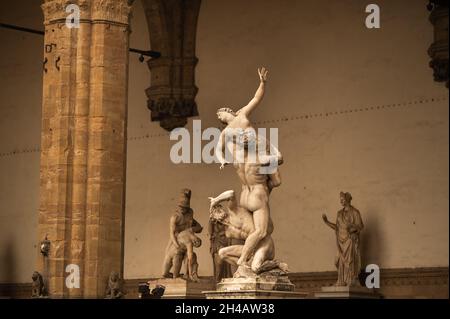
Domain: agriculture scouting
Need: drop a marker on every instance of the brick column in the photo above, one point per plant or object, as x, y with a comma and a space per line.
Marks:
84, 144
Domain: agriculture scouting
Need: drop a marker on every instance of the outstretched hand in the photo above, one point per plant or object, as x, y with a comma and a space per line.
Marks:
262, 74
324, 217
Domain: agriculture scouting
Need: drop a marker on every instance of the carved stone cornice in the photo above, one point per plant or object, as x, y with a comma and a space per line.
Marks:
117, 11
113, 11
55, 10
171, 112
173, 27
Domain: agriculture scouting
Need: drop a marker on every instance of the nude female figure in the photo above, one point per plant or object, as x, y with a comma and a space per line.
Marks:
256, 186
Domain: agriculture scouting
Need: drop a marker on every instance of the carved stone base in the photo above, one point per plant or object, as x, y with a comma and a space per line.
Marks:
281, 283
334, 292
255, 288
254, 294
182, 289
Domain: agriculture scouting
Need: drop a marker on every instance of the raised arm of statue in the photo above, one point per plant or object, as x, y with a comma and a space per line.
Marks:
328, 223
246, 110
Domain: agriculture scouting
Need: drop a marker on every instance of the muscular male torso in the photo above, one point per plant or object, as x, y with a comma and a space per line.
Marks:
183, 221
241, 224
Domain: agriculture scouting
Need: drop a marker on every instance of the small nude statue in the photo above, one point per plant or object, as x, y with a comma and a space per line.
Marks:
114, 288
347, 227
38, 289
186, 240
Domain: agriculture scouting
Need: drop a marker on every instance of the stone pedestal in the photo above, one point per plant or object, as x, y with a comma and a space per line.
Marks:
281, 283
345, 292
255, 288
182, 289
254, 294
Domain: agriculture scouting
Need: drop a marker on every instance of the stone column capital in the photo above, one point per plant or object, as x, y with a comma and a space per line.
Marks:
115, 11
112, 11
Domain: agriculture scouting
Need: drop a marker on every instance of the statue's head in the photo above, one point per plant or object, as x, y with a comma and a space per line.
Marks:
196, 227
346, 198
197, 242
184, 201
114, 276
225, 115
218, 213
35, 276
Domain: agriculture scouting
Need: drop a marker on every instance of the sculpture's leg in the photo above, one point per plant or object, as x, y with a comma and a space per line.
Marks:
185, 263
177, 262
261, 221
167, 265
215, 257
265, 251
341, 272
218, 267
194, 267
234, 267
231, 254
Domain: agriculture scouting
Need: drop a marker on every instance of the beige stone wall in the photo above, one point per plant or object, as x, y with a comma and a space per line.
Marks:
20, 124
394, 160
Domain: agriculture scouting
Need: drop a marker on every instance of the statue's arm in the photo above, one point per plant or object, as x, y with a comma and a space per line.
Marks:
246, 110
331, 225
274, 180
272, 153
279, 156
196, 226
328, 223
173, 237
220, 149
358, 224
211, 230
223, 152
